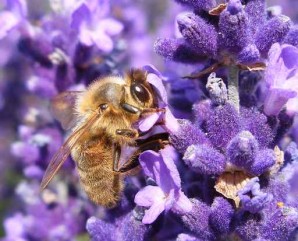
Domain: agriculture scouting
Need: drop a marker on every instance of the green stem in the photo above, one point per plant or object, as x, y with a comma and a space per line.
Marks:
233, 87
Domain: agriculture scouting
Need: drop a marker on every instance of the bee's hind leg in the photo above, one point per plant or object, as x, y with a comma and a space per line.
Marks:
155, 142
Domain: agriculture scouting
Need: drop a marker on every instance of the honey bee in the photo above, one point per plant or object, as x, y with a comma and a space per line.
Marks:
102, 120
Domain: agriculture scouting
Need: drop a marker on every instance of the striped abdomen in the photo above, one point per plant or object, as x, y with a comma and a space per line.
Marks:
95, 167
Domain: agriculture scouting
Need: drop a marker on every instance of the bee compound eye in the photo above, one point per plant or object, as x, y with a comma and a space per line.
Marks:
140, 92
103, 107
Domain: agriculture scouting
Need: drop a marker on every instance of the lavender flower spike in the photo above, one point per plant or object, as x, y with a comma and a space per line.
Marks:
281, 77
167, 195
252, 198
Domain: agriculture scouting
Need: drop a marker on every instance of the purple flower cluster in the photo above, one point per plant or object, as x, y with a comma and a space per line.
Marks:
229, 168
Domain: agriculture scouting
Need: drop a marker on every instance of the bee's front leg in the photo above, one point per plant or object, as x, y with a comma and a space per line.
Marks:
152, 110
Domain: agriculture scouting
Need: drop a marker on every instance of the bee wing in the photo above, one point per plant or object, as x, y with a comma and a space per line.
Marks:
61, 155
62, 107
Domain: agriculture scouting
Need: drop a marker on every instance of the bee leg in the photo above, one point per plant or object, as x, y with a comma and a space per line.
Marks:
155, 142
153, 110
131, 133
116, 157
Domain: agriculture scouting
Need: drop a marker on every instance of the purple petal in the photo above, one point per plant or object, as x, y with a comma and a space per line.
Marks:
289, 54
149, 195
111, 26
41, 87
126, 153
161, 168
7, 22
18, 7
102, 41
149, 161
148, 122
276, 99
34, 172
81, 14
187, 237
85, 37
98, 38
292, 106
28, 153
15, 226
150, 68
183, 205
171, 123
156, 81
170, 199
153, 212
169, 155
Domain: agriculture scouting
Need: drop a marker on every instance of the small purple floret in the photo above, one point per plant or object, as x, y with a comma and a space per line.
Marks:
242, 149
262, 162
252, 198
197, 221
188, 134
198, 33
168, 194
221, 215
292, 36
177, 50
223, 125
281, 77
273, 31
204, 160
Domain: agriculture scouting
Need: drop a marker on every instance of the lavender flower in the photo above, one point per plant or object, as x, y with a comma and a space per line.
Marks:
13, 16
280, 77
252, 199
167, 195
92, 29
